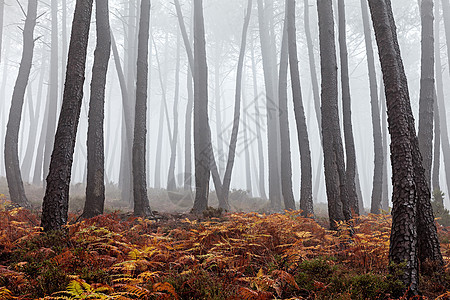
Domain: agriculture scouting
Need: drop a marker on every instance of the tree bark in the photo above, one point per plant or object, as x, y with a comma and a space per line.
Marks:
95, 188
331, 134
56, 199
306, 202
202, 132
13, 176
141, 202
379, 159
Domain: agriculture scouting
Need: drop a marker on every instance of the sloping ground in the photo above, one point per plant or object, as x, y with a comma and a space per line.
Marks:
236, 256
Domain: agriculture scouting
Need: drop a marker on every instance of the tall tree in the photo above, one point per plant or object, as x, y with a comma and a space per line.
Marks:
202, 132
13, 176
95, 187
141, 202
427, 88
412, 228
56, 199
377, 188
306, 202
331, 134
350, 171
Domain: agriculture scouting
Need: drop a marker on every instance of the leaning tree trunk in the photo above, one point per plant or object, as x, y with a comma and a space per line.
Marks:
95, 188
377, 188
13, 176
350, 171
306, 202
331, 134
285, 155
141, 202
427, 88
202, 132
56, 199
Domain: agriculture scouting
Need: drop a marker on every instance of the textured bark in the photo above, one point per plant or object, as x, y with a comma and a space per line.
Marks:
171, 181
56, 199
261, 174
272, 116
13, 176
202, 132
379, 159
285, 155
331, 134
426, 99
141, 202
306, 202
53, 83
95, 188
350, 171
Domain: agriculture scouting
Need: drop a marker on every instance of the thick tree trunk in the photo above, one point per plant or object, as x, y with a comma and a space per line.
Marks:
56, 199
256, 97
379, 159
202, 132
13, 176
271, 104
427, 88
95, 188
331, 134
171, 180
286, 165
306, 202
52, 104
141, 202
350, 172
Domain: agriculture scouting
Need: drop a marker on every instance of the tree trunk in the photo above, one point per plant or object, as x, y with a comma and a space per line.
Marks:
379, 159
171, 180
13, 176
257, 120
437, 150
217, 99
306, 202
53, 104
141, 202
95, 188
439, 116
202, 132
272, 116
56, 199
427, 88
331, 134
247, 145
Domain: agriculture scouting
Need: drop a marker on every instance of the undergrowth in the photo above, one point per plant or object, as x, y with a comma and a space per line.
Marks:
239, 256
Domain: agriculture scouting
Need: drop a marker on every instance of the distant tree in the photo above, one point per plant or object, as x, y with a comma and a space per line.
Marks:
306, 202
95, 187
141, 202
13, 176
335, 178
202, 132
413, 233
56, 199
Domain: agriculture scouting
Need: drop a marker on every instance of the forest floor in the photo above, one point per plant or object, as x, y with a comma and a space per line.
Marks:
214, 256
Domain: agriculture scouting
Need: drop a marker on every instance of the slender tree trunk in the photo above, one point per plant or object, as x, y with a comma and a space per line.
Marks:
256, 97
427, 88
202, 132
64, 39
141, 202
56, 199
385, 193
437, 150
171, 181
38, 165
95, 188
379, 159
247, 145
272, 116
13, 176
52, 105
331, 134
306, 202
2, 104
286, 165
217, 95
439, 94
350, 171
